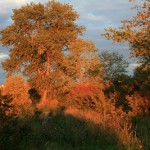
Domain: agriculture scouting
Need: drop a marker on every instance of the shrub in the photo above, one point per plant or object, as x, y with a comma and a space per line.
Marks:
6, 110
83, 95
18, 89
96, 107
139, 105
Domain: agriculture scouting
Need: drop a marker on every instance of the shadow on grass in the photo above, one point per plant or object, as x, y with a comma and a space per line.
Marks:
60, 132
142, 127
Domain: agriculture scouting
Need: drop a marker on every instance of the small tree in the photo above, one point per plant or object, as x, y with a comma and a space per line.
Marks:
114, 64
18, 89
83, 59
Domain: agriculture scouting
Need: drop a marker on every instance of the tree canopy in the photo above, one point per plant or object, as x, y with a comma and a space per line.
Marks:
43, 38
114, 64
38, 36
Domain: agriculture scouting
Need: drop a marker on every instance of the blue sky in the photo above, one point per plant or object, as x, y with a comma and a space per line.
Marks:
95, 15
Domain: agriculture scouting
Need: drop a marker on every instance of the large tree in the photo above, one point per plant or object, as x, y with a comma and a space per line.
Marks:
38, 37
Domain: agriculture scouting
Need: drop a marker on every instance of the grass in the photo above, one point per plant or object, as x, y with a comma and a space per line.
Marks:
142, 127
61, 132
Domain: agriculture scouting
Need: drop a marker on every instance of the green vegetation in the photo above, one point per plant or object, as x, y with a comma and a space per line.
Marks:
60, 132
141, 125
114, 65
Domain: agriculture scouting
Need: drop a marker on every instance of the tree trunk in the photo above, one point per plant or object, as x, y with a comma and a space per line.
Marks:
47, 72
44, 97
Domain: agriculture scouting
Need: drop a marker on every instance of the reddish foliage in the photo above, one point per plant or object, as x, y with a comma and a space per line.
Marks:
140, 105
85, 95
86, 89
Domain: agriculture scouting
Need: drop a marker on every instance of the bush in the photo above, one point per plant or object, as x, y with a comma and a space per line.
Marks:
90, 99
18, 89
7, 113
140, 105
83, 95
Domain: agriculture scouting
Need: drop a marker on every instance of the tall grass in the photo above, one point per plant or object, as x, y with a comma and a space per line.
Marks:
61, 131
141, 125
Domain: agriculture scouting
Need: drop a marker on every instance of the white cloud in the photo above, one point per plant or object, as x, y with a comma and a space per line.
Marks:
92, 17
8, 5
3, 56
22, 2
134, 65
17, 2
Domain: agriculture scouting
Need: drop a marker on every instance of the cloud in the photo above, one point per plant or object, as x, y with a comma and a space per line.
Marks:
134, 65
92, 17
3, 56
6, 10
15, 3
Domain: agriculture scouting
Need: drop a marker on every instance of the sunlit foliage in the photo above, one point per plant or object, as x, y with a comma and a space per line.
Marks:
136, 32
18, 89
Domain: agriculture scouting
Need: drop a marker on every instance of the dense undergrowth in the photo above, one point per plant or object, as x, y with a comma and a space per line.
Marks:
85, 118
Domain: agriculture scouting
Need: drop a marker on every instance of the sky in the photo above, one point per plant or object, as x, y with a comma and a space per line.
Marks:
95, 15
